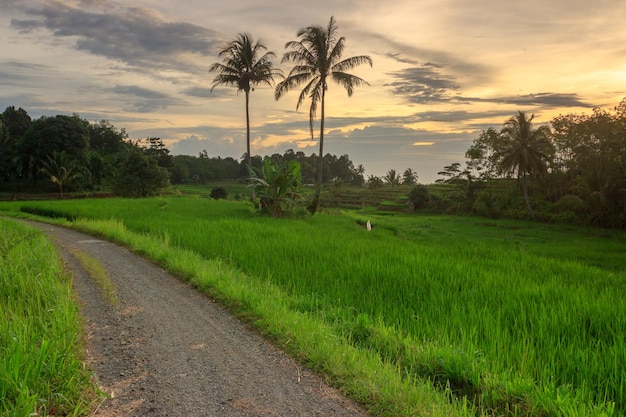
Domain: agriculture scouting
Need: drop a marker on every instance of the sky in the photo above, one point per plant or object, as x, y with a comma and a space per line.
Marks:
443, 71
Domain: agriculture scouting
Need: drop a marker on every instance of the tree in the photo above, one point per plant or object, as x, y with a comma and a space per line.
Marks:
452, 173
140, 176
245, 64
525, 151
591, 161
105, 138
16, 122
155, 148
317, 58
60, 169
6, 153
392, 178
409, 177
374, 182
48, 134
481, 155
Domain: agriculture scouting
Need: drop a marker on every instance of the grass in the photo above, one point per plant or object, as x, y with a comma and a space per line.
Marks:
99, 275
424, 315
41, 369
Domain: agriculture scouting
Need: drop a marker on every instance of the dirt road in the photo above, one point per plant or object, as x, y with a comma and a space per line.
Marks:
167, 350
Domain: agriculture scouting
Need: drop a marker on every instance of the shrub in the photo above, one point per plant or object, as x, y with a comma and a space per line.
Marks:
219, 192
419, 197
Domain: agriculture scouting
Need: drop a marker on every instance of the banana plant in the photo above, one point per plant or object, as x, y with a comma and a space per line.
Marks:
277, 185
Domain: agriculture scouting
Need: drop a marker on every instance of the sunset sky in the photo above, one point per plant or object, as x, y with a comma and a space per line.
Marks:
444, 70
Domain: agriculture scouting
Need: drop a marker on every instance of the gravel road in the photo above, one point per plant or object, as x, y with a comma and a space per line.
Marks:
167, 350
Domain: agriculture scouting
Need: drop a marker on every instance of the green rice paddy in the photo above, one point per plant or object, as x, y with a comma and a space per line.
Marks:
490, 317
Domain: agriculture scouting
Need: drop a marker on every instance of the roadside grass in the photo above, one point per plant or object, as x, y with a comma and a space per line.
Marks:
434, 315
99, 275
41, 369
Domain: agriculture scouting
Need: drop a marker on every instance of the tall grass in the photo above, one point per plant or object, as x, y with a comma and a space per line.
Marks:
41, 372
519, 318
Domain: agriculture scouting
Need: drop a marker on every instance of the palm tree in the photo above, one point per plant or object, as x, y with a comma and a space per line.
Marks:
245, 64
524, 150
409, 177
60, 169
392, 178
317, 58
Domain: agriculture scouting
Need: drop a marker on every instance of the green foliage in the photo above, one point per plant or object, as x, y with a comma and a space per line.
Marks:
219, 192
155, 148
16, 122
7, 153
60, 169
409, 177
49, 134
573, 171
393, 178
41, 368
106, 139
140, 176
419, 197
278, 186
374, 182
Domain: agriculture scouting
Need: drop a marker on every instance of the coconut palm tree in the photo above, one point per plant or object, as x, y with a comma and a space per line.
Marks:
245, 64
409, 177
392, 178
524, 150
60, 169
317, 59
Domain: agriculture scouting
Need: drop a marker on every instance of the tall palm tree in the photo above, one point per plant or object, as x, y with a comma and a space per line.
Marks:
317, 58
524, 150
245, 64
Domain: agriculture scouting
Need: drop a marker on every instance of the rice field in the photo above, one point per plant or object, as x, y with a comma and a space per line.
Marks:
41, 369
497, 317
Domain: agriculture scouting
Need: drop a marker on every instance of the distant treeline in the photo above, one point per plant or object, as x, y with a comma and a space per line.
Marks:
67, 153
572, 170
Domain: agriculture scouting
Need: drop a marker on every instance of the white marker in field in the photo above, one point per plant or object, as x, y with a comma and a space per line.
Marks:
369, 226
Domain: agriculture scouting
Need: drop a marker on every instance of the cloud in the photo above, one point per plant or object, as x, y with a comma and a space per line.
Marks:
202, 92
15, 71
133, 35
423, 84
456, 66
143, 100
193, 145
550, 100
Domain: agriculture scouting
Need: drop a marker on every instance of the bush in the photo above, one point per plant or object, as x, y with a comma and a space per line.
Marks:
219, 192
419, 197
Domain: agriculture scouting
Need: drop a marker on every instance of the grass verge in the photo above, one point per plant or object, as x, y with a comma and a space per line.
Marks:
41, 368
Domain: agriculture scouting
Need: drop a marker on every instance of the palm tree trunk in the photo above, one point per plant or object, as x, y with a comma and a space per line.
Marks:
252, 198
525, 188
320, 164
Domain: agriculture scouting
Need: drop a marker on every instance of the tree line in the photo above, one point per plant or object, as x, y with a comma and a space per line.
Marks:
67, 153
570, 170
